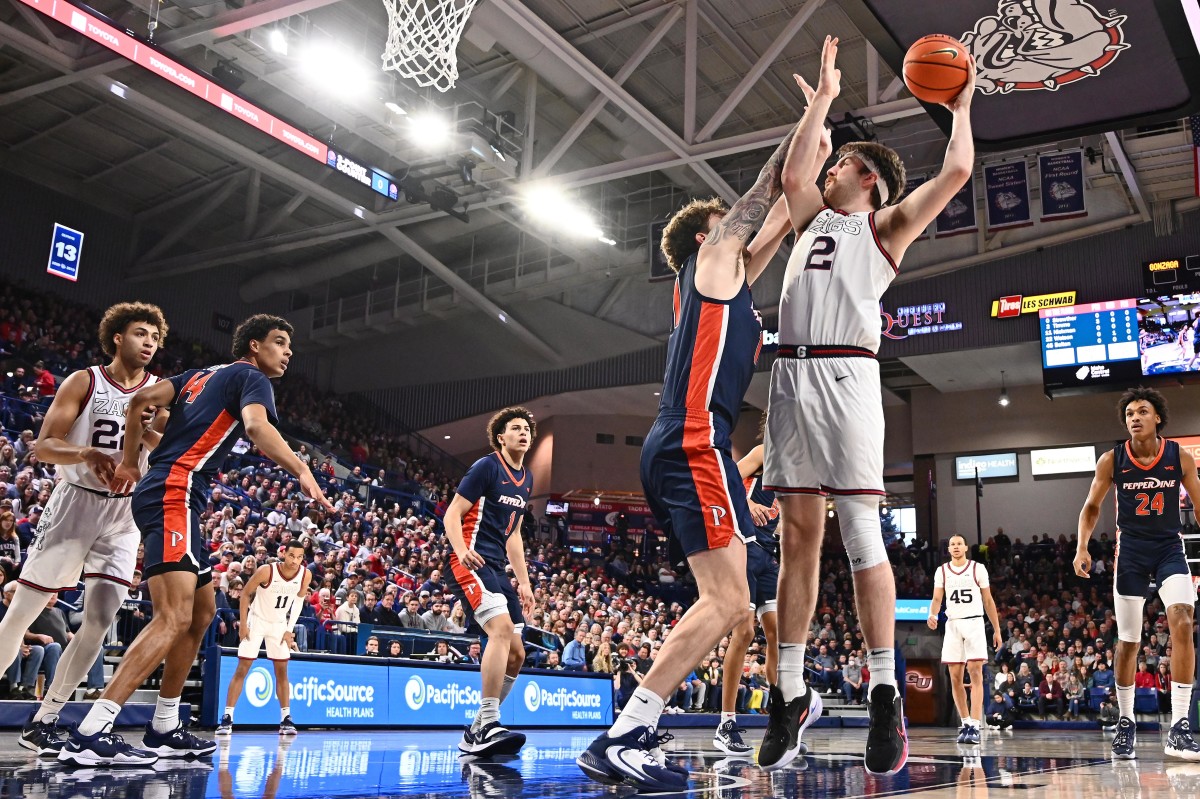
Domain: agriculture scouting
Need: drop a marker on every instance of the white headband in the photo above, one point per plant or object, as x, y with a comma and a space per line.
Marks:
880, 184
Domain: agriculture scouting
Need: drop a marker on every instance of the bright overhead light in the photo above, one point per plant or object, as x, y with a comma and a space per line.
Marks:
446, 437
395, 108
118, 89
429, 130
596, 500
550, 206
277, 41
336, 71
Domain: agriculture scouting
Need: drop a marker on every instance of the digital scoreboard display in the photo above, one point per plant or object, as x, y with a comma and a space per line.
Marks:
1091, 345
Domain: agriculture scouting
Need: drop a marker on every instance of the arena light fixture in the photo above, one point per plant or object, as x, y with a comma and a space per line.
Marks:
549, 206
395, 108
429, 130
277, 41
1003, 401
335, 70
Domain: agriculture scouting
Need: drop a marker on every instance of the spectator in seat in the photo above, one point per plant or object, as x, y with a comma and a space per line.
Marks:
852, 681
435, 618
1075, 697
27, 527
553, 663
1144, 677
575, 656
44, 383
1051, 695
1109, 714
385, 612
411, 617
10, 542
1102, 677
371, 647
1162, 683
1027, 701
22, 674
474, 654
1000, 711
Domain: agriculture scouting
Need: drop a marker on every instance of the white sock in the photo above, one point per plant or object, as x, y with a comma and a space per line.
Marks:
882, 663
642, 710
229, 712
100, 717
730, 716
51, 707
1125, 701
971, 723
166, 714
1181, 696
489, 711
284, 712
507, 687
791, 671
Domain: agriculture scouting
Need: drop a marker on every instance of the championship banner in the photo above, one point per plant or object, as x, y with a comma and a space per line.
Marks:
1006, 187
959, 214
910, 185
1062, 185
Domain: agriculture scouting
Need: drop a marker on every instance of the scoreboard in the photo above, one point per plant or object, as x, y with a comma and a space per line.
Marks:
1090, 346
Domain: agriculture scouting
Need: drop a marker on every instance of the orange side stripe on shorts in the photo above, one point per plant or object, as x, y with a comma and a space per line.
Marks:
175, 492
466, 581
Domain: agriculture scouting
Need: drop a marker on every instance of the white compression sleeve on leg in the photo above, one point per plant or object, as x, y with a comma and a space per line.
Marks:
862, 534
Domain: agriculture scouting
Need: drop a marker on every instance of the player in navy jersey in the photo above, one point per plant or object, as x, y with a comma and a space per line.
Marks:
762, 576
1148, 471
483, 525
209, 409
689, 477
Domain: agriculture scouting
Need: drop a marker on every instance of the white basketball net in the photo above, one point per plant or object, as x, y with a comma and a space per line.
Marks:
422, 38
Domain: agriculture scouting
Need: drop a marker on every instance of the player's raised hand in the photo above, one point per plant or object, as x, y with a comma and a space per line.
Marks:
124, 478
1083, 564
962, 101
931, 622
311, 488
830, 84
100, 464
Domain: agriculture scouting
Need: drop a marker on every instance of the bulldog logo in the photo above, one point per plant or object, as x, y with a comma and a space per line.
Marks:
1042, 44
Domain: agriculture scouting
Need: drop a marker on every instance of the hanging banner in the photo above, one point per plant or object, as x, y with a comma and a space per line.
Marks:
959, 214
910, 185
1062, 185
1006, 187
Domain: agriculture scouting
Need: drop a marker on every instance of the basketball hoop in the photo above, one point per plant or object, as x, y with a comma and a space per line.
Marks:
422, 38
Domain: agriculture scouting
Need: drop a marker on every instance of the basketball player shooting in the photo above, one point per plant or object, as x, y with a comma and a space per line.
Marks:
1147, 470
965, 585
825, 427
269, 608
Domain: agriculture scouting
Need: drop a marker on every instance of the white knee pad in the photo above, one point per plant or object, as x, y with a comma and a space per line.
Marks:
862, 535
1129, 616
1177, 589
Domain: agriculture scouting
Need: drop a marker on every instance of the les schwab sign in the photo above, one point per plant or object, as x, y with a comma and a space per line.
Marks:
1017, 304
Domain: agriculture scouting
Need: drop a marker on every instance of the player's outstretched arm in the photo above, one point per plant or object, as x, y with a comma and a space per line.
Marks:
128, 472
270, 443
900, 224
751, 463
764, 246
52, 446
801, 171
1091, 513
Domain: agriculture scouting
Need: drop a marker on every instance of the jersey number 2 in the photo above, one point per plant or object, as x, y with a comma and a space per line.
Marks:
962, 596
1146, 504
820, 254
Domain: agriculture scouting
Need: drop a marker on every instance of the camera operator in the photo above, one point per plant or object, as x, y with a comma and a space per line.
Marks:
626, 677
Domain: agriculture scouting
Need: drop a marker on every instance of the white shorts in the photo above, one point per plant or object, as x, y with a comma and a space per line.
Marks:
81, 534
965, 641
824, 427
264, 632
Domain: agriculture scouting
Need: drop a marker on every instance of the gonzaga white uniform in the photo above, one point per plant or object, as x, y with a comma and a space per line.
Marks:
85, 529
966, 638
267, 617
825, 426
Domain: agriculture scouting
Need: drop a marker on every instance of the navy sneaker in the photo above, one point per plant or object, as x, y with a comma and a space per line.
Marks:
491, 739
887, 740
786, 723
962, 734
176, 743
1180, 742
102, 749
287, 726
729, 739
225, 728
43, 737
659, 755
630, 760
1126, 737
971, 735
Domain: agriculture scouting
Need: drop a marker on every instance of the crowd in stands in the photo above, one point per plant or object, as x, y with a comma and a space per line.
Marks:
380, 558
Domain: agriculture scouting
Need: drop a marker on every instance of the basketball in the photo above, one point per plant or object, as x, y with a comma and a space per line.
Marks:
936, 68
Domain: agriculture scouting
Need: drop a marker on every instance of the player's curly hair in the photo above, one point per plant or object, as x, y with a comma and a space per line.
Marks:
496, 425
257, 328
679, 236
891, 168
1149, 395
119, 317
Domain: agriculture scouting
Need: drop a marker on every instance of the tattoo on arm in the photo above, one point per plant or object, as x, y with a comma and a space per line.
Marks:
748, 213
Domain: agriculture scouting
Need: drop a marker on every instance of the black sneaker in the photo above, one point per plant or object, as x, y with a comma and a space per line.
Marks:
43, 737
179, 742
887, 741
787, 722
491, 739
1180, 742
1126, 737
225, 728
729, 739
287, 726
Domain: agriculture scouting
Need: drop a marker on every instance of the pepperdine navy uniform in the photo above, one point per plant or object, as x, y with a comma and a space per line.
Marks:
205, 423
689, 478
1148, 524
762, 554
498, 496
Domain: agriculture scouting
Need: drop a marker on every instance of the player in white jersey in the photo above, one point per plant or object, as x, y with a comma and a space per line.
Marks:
965, 585
85, 529
269, 608
825, 427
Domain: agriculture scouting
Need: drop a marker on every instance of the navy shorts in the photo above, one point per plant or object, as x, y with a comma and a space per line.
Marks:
484, 594
692, 483
1139, 558
169, 521
762, 572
